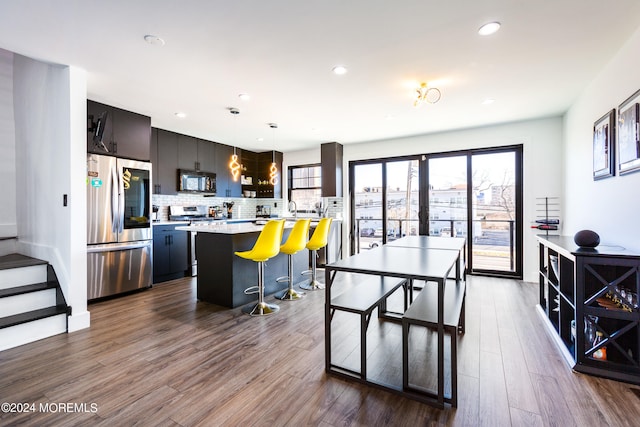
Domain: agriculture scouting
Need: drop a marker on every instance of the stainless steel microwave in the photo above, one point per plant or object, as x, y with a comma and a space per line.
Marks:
196, 181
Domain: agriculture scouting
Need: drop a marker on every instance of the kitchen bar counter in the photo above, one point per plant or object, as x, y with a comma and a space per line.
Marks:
235, 226
224, 227
223, 276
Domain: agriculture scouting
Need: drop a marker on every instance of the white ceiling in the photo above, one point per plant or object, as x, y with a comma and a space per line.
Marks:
281, 53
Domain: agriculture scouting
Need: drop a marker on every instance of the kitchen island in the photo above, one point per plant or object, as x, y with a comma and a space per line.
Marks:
223, 276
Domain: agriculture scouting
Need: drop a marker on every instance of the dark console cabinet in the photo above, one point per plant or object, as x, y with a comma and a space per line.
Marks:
126, 134
589, 301
170, 253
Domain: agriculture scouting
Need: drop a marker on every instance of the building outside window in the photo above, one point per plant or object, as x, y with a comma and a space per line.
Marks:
305, 187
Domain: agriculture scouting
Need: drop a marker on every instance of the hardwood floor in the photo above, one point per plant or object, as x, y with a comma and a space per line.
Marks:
161, 358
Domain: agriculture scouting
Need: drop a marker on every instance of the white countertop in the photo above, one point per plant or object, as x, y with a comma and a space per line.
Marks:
228, 228
223, 227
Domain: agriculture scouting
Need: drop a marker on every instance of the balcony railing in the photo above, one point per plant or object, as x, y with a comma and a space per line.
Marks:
492, 244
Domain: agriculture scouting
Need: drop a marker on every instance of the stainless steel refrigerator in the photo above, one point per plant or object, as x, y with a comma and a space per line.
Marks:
119, 237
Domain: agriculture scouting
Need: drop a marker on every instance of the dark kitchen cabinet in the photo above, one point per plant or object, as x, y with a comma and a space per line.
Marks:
264, 188
187, 152
195, 154
225, 185
206, 156
126, 134
331, 164
170, 253
164, 160
172, 151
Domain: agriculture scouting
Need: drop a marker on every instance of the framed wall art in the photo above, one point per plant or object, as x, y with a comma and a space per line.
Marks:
628, 135
604, 159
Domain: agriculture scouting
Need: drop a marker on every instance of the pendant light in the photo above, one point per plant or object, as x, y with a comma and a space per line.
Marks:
234, 164
273, 170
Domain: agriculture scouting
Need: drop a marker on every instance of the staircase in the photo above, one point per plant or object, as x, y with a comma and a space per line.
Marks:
32, 306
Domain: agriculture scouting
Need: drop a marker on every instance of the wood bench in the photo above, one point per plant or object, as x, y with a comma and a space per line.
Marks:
424, 312
363, 298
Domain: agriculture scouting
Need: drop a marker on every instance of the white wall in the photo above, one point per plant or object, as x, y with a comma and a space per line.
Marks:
50, 121
611, 206
8, 225
542, 142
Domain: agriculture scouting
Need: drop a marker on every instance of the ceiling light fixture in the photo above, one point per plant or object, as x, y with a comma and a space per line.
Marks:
489, 28
339, 70
273, 170
234, 164
244, 97
181, 115
154, 40
426, 94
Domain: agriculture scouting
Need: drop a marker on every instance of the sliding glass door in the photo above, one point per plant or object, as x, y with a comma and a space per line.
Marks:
494, 212
448, 207
402, 199
475, 194
385, 201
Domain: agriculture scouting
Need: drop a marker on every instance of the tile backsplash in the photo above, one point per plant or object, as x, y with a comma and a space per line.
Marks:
243, 208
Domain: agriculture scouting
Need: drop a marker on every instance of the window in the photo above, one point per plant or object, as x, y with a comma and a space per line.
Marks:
305, 187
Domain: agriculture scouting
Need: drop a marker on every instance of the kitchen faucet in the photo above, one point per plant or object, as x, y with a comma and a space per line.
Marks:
295, 208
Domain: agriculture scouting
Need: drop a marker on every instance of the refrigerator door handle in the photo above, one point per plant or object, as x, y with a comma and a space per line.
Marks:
115, 222
111, 247
120, 201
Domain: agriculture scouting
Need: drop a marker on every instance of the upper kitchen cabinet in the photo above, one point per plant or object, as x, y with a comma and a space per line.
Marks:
196, 154
206, 156
225, 185
164, 148
187, 152
331, 165
264, 186
125, 134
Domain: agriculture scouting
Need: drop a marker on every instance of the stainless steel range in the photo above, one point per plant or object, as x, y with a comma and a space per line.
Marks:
188, 213
193, 214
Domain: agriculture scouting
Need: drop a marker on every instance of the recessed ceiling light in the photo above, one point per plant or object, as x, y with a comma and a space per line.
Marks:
339, 70
154, 40
244, 97
181, 115
260, 139
488, 101
489, 28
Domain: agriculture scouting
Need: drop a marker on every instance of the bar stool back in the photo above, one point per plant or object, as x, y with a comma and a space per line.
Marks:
318, 240
267, 246
296, 242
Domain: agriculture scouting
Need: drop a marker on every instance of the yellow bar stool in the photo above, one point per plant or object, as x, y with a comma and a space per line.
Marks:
318, 240
296, 242
267, 246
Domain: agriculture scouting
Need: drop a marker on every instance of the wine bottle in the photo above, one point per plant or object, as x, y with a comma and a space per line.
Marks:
548, 221
545, 227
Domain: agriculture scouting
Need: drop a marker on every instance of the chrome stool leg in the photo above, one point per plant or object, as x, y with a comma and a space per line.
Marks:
289, 294
261, 308
313, 284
